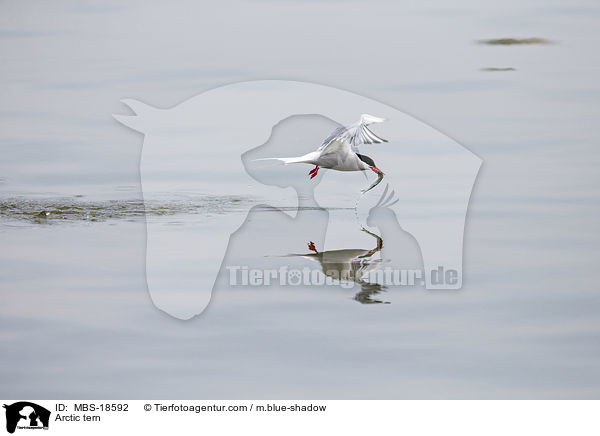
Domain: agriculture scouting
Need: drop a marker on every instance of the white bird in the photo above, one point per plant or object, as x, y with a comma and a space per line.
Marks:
339, 150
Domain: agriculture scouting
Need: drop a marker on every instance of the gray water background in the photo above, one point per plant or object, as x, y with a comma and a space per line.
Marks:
76, 319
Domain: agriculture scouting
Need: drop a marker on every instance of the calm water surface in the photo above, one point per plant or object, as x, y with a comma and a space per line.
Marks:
75, 315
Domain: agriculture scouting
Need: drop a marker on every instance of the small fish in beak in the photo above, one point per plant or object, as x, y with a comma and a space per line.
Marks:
380, 175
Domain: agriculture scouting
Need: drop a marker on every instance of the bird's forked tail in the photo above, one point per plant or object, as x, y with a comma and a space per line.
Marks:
307, 158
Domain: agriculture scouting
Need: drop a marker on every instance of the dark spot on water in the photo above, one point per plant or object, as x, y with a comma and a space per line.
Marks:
499, 69
515, 41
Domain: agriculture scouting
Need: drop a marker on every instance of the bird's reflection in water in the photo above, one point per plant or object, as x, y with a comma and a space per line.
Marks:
352, 265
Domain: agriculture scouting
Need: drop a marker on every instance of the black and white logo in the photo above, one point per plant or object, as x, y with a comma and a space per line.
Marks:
26, 415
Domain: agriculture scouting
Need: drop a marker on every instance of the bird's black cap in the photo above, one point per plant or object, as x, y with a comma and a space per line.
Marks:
366, 159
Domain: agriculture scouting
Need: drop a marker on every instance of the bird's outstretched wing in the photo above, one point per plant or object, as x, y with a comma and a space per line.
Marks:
335, 153
355, 134
339, 146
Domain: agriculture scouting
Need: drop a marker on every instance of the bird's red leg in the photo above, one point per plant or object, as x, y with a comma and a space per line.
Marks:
314, 171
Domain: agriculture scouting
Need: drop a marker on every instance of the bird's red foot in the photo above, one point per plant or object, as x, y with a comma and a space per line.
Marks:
314, 171
311, 247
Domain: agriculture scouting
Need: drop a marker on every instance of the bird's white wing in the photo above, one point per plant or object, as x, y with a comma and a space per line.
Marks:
337, 146
354, 134
336, 133
336, 154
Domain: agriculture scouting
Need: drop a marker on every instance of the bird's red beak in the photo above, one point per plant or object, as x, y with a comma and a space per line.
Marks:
377, 170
